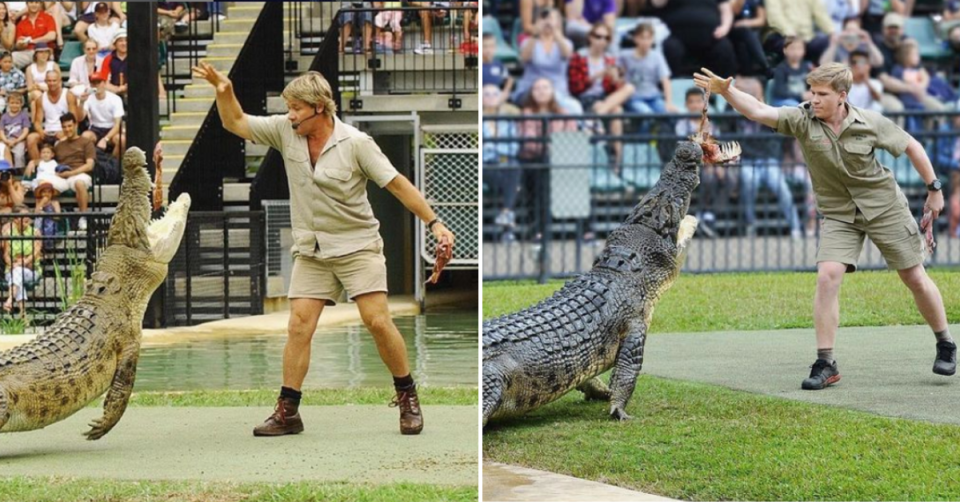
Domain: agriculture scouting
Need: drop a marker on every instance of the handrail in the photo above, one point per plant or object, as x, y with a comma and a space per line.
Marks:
216, 153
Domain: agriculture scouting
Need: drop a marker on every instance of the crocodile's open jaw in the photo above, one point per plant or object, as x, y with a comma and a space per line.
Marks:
165, 233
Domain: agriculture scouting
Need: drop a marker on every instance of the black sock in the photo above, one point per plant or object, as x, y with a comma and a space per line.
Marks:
293, 395
403, 383
943, 336
825, 354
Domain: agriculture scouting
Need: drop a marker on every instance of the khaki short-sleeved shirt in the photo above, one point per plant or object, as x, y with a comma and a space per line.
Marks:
845, 173
329, 209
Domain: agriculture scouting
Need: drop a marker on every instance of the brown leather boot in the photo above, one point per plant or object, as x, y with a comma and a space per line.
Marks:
411, 419
285, 420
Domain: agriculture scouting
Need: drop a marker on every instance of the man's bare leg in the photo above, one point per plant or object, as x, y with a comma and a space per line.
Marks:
826, 318
930, 304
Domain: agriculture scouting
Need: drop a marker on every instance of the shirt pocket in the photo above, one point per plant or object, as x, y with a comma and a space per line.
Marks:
335, 181
858, 158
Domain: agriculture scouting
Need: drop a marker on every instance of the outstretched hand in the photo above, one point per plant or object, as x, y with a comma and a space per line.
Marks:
710, 82
216, 78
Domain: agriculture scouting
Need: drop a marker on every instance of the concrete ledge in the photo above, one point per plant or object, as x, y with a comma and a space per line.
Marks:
504, 483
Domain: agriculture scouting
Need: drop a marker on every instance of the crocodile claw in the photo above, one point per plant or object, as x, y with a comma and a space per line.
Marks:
618, 413
98, 429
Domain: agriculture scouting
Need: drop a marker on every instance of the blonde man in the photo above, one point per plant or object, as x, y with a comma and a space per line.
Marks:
337, 246
858, 198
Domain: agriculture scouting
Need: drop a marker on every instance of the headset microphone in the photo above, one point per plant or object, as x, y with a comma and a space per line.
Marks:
296, 125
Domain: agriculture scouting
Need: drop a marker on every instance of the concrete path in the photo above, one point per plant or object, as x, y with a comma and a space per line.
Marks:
885, 370
510, 483
341, 443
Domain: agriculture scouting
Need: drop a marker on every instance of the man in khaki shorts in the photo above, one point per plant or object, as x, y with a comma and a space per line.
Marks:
337, 246
857, 198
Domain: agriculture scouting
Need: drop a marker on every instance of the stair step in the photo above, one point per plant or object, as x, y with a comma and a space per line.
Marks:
180, 132
186, 118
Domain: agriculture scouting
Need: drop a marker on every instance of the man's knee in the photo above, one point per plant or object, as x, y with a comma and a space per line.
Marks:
378, 324
830, 275
914, 278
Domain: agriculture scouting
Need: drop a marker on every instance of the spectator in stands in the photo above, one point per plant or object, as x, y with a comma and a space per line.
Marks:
82, 68
596, 81
647, 71
58, 11
48, 185
105, 110
21, 255
852, 38
917, 81
199, 11
842, 11
14, 127
530, 13
796, 18
361, 21
427, 14
37, 71
8, 29
389, 31
11, 79
12, 191
541, 100
888, 43
104, 29
494, 72
582, 15
790, 76
760, 164
88, 17
876, 11
78, 154
546, 56
500, 159
865, 92
749, 17
114, 66
168, 15
47, 112
698, 34
35, 27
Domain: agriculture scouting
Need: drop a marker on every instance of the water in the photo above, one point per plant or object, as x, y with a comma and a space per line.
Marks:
442, 345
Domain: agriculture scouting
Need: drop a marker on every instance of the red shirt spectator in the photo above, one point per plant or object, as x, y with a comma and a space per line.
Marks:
38, 30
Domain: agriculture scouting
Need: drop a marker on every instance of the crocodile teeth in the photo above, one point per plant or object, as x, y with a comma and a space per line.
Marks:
728, 151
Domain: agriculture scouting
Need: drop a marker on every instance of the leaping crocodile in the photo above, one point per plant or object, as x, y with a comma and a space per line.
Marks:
93, 346
599, 320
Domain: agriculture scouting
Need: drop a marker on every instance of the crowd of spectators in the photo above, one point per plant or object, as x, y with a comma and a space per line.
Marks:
367, 27
606, 57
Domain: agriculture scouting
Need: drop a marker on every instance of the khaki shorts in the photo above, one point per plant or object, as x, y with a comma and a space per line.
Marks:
336, 279
895, 233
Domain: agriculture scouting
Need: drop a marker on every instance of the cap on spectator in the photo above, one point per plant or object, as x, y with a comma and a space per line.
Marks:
102, 7
120, 34
893, 19
96, 78
42, 46
5, 166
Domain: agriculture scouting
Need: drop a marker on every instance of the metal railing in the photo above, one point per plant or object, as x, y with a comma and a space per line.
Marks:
185, 49
556, 186
216, 154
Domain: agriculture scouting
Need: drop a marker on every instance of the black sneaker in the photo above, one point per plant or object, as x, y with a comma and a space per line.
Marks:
822, 374
946, 361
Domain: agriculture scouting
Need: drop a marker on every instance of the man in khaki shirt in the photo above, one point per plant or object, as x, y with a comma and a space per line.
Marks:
337, 247
857, 197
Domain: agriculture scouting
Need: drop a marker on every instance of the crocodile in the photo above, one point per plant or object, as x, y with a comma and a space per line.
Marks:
599, 320
93, 346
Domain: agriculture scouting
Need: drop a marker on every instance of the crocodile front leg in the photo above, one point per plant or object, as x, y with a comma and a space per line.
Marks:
626, 369
595, 390
493, 388
119, 393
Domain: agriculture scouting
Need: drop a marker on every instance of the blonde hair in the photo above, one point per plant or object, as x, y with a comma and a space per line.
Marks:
837, 75
313, 89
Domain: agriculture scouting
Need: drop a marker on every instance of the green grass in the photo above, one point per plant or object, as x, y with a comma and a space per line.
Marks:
311, 397
760, 301
701, 442
36, 489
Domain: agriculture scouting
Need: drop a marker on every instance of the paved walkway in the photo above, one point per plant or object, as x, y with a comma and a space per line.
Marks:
510, 483
885, 370
341, 443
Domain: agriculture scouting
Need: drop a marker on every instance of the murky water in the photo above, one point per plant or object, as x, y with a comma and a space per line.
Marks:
443, 349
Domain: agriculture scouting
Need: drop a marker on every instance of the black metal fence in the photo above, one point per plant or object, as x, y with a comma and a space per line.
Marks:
220, 269
46, 260
555, 186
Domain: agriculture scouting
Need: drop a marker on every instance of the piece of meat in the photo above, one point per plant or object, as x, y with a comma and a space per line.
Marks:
444, 254
926, 226
158, 180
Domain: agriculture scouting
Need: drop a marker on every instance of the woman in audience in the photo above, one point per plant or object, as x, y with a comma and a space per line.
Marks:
545, 56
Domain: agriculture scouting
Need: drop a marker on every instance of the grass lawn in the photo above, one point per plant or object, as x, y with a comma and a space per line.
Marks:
743, 302
36, 489
702, 442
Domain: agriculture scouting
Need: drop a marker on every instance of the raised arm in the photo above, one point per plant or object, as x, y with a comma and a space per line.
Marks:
739, 100
231, 114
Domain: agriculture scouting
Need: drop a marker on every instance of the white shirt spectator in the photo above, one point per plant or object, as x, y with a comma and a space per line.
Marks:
103, 113
80, 74
103, 35
860, 97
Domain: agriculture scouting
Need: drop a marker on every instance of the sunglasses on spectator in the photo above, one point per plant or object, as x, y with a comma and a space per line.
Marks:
600, 37
861, 62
